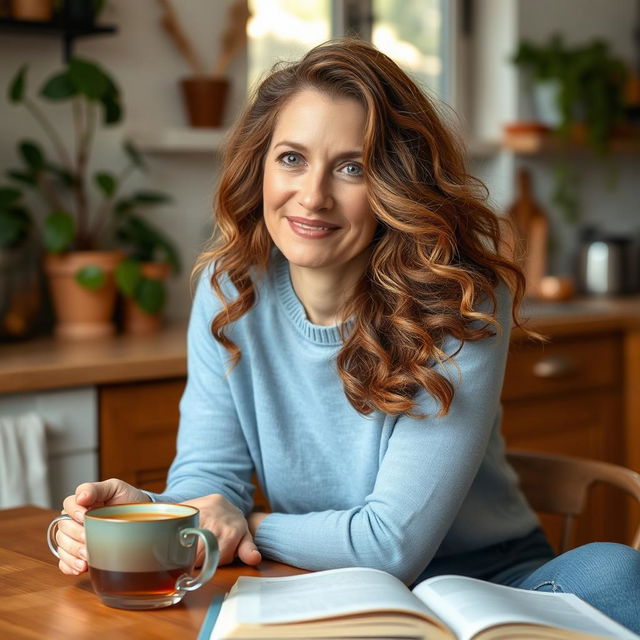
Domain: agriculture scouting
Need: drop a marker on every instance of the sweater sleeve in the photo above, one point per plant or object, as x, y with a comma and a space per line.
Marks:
212, 454
421, 483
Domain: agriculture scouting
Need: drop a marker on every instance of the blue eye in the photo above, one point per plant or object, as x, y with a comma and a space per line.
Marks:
353, 169
290, 159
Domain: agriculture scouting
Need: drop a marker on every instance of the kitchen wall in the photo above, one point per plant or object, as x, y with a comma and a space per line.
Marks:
148, 68
500, 96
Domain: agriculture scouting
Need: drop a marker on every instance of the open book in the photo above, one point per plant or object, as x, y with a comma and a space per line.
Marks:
367, 603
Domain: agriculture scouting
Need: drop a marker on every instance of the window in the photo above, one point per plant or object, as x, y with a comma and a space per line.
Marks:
417, 34
284, 30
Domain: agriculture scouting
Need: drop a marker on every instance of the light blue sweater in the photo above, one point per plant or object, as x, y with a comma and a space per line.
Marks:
345, 489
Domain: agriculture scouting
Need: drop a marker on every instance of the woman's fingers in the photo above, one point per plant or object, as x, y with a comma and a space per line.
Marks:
69, 529
70, 537
72, 544
71, 564
96, 494
71, 547
247, 550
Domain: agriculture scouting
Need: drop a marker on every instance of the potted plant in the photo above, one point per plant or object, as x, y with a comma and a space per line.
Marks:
205, 92
38, 10
79, 203
141, 276
586, 85
20, 282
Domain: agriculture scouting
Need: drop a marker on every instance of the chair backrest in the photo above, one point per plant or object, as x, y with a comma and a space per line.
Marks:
559, 484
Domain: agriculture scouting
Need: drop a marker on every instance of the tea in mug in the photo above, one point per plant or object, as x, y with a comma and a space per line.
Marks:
140, 517
140, 583
141, 555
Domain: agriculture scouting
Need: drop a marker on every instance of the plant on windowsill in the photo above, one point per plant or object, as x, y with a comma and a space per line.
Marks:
585, 84
81, 206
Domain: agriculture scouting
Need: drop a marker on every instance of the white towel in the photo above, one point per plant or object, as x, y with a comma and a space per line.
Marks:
23, 462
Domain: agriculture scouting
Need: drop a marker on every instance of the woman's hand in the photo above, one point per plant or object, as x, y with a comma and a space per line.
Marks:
70, 535
230, 527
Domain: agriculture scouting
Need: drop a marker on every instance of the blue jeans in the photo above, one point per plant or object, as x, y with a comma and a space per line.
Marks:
604, 574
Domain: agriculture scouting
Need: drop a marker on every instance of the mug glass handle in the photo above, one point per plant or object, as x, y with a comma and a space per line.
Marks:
51, 533
211, 557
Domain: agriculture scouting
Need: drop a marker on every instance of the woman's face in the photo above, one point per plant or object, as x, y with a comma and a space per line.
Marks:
314, 194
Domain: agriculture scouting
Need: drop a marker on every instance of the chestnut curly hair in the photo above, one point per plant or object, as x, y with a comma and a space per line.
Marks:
438, 250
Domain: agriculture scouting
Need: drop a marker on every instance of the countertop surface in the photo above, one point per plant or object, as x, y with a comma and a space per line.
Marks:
50, 363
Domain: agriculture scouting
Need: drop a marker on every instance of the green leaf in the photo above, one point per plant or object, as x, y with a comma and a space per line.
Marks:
112, 110
91, 277
147, 198
148, 242
170, 254
9, 196
59, 87
106, 182
32, 154
62, 174
123, 206
90, 80
134, 155
14, 227
18, 84
128, 276
23, 177
98, 6
150, 295
58, 232
112, 88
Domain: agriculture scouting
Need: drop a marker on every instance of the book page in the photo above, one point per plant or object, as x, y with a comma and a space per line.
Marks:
468, 606
322, 594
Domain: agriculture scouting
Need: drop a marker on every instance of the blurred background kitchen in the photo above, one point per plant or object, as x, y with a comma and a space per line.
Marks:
114, 114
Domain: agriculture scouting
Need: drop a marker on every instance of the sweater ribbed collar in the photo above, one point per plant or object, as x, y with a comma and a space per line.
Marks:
318, 334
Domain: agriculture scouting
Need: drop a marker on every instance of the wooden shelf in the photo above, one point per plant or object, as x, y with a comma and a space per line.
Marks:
68, 32
52, 28
179, 140
535, 142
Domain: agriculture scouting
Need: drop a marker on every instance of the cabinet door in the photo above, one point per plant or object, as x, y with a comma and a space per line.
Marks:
138, 428
582, 426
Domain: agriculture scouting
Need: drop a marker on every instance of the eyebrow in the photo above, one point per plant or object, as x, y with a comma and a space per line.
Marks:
356, 153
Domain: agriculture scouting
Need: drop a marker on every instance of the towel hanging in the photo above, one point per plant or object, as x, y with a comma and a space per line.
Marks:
23, 461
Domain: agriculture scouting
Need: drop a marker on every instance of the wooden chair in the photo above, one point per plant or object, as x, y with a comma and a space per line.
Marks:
560, 484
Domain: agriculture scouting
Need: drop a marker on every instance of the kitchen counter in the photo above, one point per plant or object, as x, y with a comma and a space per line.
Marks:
48, 363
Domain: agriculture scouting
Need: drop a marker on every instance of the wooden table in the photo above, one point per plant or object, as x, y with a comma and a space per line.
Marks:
37, 601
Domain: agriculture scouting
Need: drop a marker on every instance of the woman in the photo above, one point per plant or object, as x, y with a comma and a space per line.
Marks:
347, 344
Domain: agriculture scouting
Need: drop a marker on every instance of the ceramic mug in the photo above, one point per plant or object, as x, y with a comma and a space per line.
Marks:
141, 555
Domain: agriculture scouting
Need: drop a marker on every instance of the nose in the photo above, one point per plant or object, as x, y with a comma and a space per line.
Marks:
315, 192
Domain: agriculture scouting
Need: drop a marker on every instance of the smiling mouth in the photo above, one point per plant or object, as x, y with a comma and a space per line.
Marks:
312, 225
311, 229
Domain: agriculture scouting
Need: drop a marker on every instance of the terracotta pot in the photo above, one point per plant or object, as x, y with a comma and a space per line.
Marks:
80, 312
137, 320
205, 99
32, 9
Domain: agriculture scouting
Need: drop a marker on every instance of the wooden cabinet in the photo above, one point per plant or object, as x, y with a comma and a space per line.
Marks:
138, 426
566, 397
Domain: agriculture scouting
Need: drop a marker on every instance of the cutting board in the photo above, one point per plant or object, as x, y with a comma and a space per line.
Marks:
532, 232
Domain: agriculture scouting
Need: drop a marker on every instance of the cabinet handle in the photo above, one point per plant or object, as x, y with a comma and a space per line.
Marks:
554, 367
